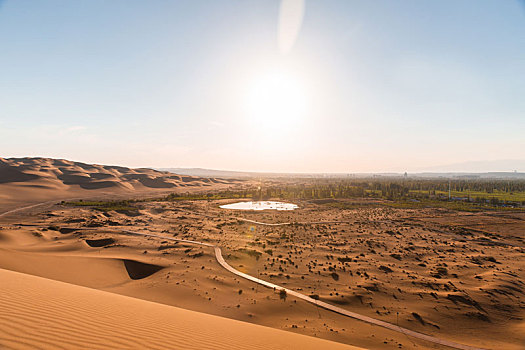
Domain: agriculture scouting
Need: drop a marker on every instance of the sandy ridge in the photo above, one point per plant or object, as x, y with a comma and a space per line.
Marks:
39, 313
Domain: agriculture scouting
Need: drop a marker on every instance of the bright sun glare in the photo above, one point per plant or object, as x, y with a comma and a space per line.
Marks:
276, 102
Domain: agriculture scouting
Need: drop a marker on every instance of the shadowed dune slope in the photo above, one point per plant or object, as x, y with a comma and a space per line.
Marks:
40, 313
138, 270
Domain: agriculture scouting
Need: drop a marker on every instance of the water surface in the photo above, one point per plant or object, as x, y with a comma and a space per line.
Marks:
260, 205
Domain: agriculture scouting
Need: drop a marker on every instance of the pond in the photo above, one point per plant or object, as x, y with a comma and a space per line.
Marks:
260, 205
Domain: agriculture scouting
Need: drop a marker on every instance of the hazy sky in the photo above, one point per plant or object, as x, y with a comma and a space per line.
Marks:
359, 86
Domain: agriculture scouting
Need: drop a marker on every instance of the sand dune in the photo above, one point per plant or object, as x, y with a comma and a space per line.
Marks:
46, 172
41, 313
432, 271
41, 179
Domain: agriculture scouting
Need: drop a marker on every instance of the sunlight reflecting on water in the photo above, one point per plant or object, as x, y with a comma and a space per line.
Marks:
260, 205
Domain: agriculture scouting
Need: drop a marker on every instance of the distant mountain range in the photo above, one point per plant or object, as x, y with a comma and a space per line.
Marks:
430, 174
494, 166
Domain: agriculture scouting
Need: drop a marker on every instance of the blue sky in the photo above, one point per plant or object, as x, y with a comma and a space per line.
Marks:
382, 85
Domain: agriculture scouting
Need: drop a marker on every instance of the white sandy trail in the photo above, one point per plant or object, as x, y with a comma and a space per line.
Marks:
12, 211
324, 305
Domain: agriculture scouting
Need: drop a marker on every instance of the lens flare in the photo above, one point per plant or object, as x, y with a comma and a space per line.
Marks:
291, 14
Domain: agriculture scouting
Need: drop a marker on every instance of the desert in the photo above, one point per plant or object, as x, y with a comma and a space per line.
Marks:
449, 274
263, 174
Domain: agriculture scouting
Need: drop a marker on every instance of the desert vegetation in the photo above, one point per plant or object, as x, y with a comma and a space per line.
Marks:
395, 250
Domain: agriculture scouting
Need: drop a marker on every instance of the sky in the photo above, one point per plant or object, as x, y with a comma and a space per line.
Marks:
283, 86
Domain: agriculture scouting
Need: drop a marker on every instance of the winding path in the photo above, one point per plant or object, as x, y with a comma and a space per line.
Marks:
322, 304
319, 303
26, 207
267, 223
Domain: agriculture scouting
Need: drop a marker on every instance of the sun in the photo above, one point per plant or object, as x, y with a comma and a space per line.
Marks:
276, 102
